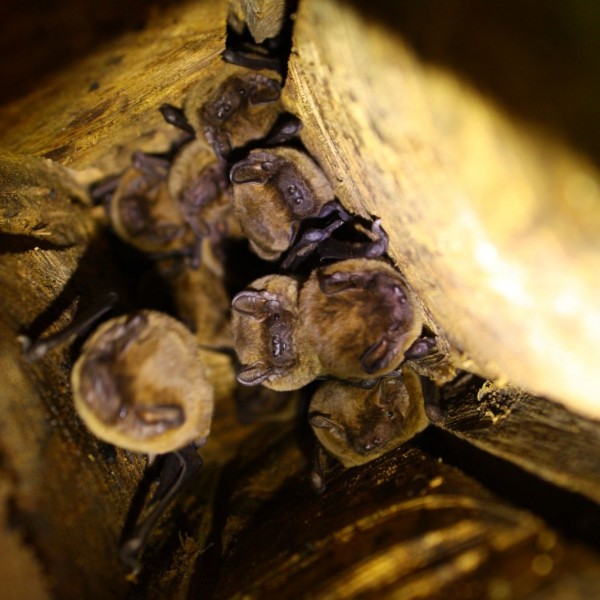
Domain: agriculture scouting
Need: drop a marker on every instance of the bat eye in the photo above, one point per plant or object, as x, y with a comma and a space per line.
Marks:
390, 414
223, 110
399, 295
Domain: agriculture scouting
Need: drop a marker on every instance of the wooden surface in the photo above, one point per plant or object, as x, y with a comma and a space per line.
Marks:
50, 463
406, 525
111, 97
492, 209
539, 436
448, 120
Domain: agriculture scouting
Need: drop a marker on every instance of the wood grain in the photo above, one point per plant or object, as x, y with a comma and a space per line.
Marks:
492, 218
111, 97
405, 525
539, 436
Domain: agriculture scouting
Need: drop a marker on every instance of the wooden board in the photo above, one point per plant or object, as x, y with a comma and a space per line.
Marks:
492, 210
112, 97
492, 216
405, 525
531, 432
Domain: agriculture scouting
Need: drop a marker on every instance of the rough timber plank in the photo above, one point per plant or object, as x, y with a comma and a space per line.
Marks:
540, 436
403, 526
493, 219
112, 96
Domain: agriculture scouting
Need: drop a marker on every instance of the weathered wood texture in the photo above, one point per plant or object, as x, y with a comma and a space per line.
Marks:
264, 18
478, 151
38, 40
538, 435
110, 98
404, 526
64, 497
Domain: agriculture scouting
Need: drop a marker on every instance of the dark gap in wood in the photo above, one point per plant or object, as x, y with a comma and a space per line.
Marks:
207, 569
286, 35
15, 243
276, 49
242, 266
84, 286
571, 514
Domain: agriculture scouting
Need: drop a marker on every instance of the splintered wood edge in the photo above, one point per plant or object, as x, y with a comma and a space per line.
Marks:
493, 223
264, 18
540, 436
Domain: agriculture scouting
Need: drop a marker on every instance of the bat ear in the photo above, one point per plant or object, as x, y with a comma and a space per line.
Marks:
391, 392
100, 389
264, 90
320, 421
254, 374
336, 282
377, 356
255, 305
167, 415
250, 170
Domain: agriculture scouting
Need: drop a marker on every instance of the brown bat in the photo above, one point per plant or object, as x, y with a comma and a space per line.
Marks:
357, 424
139, 384
238, 105
353, 320
199, 186
267, 337
274, 190
360, 317
165, 208
142, 211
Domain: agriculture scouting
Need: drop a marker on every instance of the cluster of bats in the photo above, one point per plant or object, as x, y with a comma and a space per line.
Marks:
335, 311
